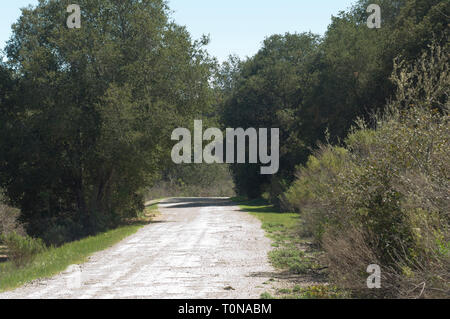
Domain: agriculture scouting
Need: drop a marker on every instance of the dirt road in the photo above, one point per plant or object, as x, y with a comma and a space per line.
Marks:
203, 248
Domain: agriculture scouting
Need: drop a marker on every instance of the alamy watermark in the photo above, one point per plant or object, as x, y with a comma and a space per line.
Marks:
234, 150
73, 277
374, 20
374, 280
74, 20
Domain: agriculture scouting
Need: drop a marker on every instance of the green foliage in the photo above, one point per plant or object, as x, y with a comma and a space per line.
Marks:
22, 249
307, 85
267, 296
56, 259
292, 252
267, 91
309, 292
384, 199
292, 259
314, 292
313, 180
85, 117
87, 120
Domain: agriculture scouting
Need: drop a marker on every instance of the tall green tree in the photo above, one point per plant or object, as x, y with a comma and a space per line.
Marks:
315, 88
268, 90
356, 62
96, 108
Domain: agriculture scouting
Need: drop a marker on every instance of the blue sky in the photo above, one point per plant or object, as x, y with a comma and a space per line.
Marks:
236, 26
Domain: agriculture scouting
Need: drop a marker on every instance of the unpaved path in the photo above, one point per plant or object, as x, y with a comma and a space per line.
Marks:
203, 248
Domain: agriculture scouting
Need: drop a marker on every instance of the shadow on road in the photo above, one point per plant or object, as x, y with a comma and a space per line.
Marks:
192, 202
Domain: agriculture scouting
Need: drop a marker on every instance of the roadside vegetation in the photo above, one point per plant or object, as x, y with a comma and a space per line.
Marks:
294, 254
309, 292
56, 259
364, 125
86, 114
382, 198
86, 117
30, 259
315, 88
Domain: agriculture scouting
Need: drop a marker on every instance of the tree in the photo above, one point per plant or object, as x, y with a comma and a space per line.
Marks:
315, 88
269, 92
96, 108
356, 61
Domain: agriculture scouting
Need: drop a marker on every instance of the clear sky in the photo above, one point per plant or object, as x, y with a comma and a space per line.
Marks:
236, 26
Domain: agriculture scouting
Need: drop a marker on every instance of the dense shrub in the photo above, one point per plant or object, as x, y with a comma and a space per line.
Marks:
384, 199
22, 249
315, 181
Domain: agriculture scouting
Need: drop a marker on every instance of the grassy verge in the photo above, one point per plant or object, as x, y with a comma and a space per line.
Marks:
293, 253
55, 260
310, 292
290, 253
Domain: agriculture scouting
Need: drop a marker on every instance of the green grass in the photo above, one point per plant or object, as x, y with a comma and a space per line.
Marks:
56, 260
283, 229
290, 251
266, 296
312, 292
292, 259
280, 227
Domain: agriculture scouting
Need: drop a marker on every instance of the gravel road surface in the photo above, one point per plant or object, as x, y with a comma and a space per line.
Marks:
202, 248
